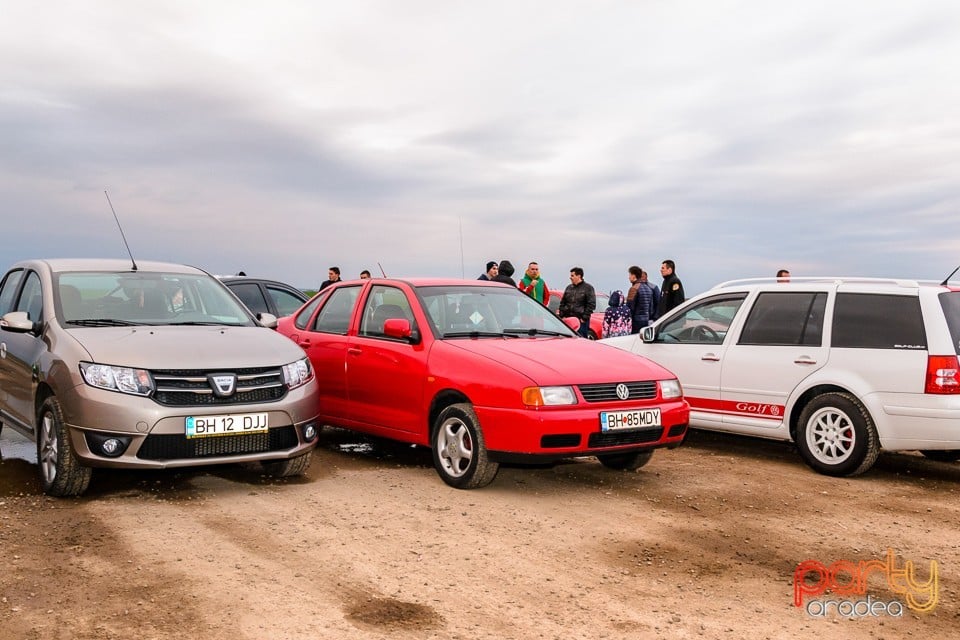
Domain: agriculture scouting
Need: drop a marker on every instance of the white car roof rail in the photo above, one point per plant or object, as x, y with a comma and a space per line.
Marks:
900, 282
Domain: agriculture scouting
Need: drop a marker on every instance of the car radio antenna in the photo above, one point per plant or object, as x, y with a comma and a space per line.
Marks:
381, 270
947, 279
130, 253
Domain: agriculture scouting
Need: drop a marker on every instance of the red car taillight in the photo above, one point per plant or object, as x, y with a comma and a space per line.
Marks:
942, 375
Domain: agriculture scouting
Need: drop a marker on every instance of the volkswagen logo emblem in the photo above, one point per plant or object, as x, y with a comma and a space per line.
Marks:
623, 392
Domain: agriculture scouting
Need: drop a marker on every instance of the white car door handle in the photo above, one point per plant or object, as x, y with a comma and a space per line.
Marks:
710, 357
805, 360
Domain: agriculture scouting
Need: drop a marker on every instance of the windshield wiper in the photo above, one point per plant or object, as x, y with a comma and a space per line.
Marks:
198, 323
102, 322
535, 332
477, 334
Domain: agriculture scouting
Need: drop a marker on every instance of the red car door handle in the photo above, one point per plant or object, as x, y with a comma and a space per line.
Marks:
354, 351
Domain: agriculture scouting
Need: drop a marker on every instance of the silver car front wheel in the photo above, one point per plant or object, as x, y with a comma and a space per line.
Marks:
61, 473
459, 452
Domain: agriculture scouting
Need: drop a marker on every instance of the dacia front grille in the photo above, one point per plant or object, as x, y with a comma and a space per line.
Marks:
178, 446
191, 387
607, 392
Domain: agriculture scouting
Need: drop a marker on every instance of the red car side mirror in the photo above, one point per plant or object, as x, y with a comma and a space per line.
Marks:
397, 328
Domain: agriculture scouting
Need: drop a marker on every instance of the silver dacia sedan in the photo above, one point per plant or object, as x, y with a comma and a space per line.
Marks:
110, 363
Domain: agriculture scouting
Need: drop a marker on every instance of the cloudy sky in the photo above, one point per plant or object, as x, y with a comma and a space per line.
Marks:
430, 136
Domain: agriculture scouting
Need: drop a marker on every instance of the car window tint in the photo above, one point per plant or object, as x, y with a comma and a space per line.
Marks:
334, 316
704, 323
303, 318
874, 321
31, 297
382, 304
603, 301
780, 318
950, 302
285, 301
250, 295
9, 288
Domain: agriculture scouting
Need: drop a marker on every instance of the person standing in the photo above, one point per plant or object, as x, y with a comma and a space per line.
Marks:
505, 273
616, 319
578, 301
655, 295
639, 300
333, 276
491, 271
365, 275
671, 292
783, 275
533, 285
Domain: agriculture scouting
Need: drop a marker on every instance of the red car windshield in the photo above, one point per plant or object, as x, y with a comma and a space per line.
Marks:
467, 311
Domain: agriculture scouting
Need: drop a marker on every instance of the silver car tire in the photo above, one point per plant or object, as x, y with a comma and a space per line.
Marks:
61, 473
459, 452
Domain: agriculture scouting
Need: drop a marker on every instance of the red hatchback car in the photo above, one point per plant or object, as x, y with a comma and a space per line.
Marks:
481, 374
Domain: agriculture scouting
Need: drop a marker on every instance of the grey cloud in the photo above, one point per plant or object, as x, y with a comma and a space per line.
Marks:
188, 131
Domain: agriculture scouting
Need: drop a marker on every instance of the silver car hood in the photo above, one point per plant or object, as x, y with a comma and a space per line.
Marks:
187, 347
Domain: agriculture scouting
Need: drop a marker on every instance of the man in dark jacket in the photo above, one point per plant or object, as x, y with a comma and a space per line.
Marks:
655, 296
639, 300
491, 271
505, 273
671, 292
333, 276
578, 301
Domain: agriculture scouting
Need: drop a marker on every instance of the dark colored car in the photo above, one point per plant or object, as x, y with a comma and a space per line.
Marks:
265, 296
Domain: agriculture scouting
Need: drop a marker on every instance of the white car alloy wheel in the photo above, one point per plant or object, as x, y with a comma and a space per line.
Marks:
836, 435
831, 436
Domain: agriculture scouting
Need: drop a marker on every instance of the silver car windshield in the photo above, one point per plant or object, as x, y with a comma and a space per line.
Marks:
151, 298
458, 311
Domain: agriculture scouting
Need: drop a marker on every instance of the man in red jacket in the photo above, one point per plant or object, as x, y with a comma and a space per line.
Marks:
533, 285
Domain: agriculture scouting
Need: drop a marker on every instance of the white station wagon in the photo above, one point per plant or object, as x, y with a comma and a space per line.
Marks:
844, 367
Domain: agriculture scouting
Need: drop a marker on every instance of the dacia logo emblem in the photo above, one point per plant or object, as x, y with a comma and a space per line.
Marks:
223, 384
623, 392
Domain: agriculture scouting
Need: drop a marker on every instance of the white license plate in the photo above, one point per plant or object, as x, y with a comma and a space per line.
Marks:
637, 419
228, 425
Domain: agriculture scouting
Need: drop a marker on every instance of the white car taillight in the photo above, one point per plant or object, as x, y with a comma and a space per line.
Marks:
942, 375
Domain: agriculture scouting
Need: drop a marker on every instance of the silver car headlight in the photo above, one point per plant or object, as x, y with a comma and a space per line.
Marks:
121, 379
297, 373
670, 389
548, 396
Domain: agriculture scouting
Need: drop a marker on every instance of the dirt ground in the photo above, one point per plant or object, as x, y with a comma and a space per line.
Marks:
701, 543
